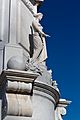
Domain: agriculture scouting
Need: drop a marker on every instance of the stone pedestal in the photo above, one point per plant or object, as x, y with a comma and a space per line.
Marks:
24, 97
16, 89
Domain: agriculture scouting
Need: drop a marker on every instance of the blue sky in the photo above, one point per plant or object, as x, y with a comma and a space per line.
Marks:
62, 21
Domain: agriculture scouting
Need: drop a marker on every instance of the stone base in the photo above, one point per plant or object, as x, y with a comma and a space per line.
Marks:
28, 103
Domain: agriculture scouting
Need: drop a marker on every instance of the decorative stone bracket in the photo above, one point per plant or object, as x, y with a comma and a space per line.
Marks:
16, 89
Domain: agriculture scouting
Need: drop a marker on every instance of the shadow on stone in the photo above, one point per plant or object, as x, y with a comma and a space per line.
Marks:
31, 42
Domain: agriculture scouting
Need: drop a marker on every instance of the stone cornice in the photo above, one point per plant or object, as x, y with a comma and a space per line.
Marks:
18, 75
40, 86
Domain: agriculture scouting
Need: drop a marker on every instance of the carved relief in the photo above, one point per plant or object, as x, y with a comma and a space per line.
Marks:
39, 40
61, 112
19, 87
19, 105
61, 108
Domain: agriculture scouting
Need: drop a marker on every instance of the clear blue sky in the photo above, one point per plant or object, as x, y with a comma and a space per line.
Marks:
62, 22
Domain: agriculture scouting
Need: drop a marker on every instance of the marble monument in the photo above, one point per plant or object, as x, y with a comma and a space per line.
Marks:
27, 90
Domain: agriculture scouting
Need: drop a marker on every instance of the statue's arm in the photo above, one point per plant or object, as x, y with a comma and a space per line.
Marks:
37, 28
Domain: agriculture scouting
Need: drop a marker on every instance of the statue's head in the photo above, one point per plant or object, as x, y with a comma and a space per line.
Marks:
38, 16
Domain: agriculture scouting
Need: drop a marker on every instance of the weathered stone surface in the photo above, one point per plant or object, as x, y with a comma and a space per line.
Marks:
17, 63
19, 75
46, 77
4, 29
40, 103
4, 20
10, 51
15, 24
17, 118
15, 86
48, 89
19, 105
43, 106
25, 18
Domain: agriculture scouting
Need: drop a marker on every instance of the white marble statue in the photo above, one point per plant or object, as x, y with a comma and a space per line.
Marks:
61, 112
40, 53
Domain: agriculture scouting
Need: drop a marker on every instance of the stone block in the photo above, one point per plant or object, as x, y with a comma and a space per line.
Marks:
19, 105
13, 86
10, 51
24, 25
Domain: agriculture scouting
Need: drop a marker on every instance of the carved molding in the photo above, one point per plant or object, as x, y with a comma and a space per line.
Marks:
18, 75
29, 5
19, 87
40, 86
19, 105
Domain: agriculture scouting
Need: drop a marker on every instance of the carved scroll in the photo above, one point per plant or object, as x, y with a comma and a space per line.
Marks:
19, 105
